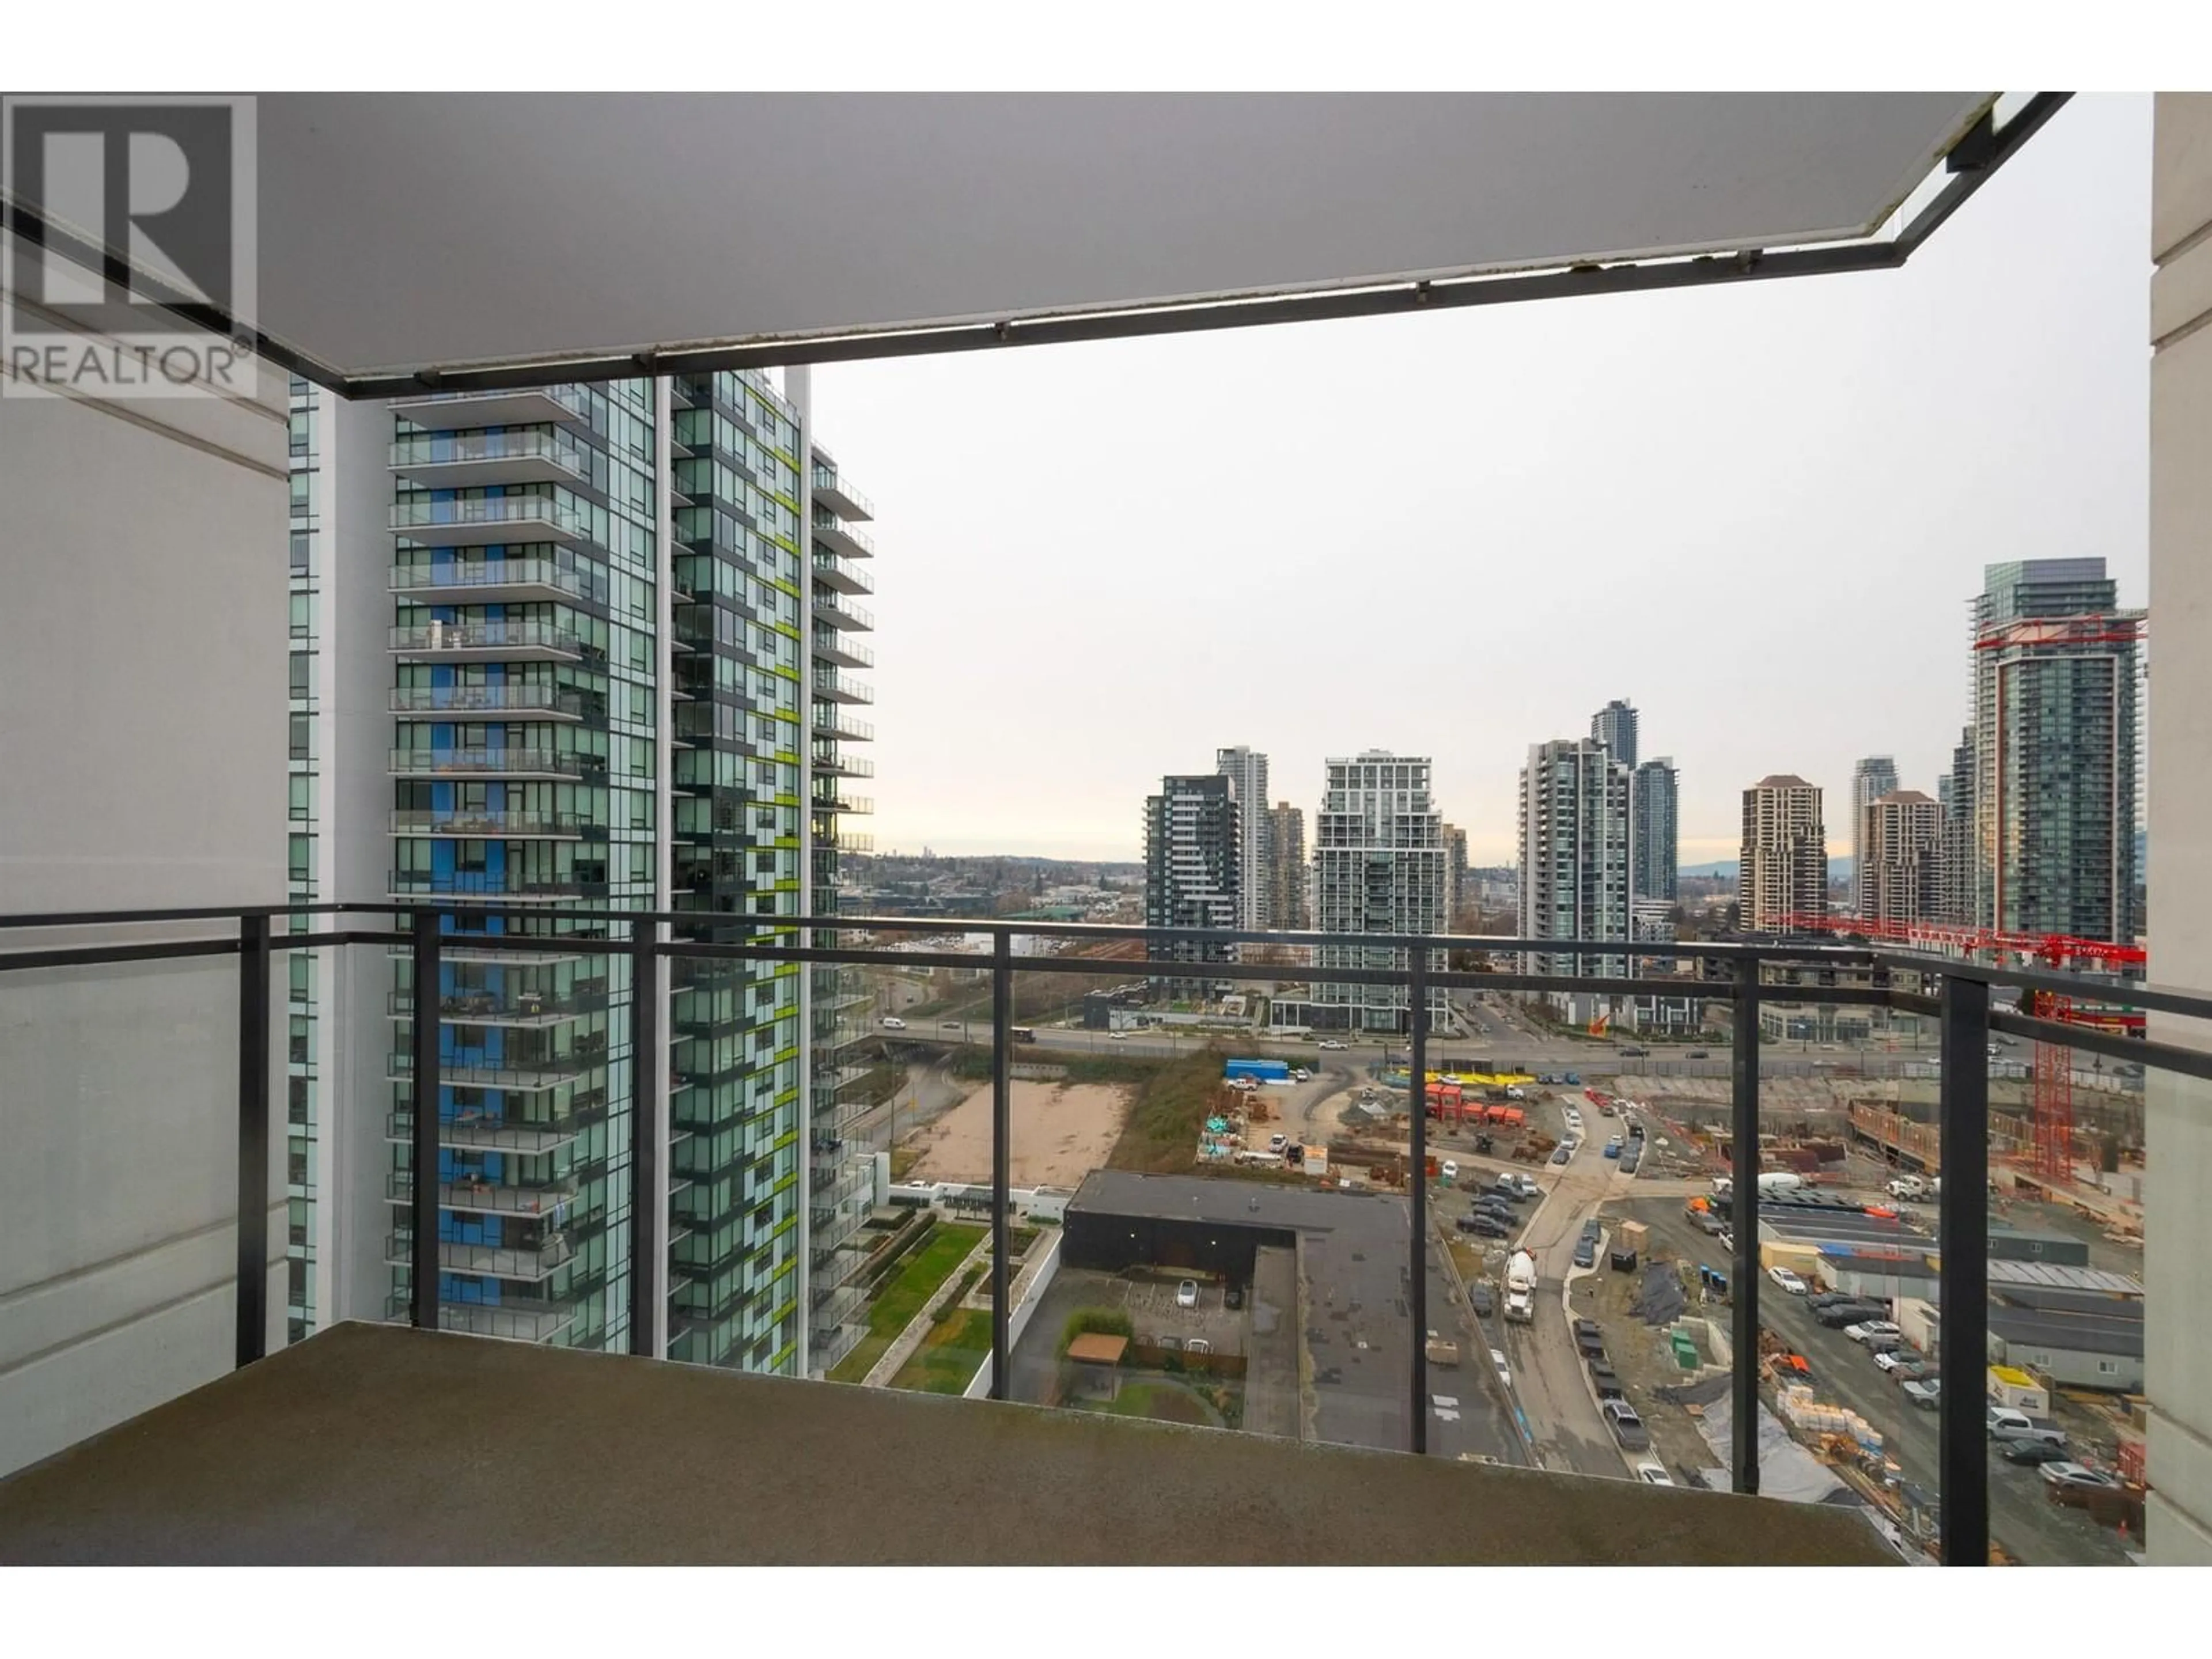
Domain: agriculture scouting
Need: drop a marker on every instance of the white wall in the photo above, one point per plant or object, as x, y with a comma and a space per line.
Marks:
141, 763
2178, 1231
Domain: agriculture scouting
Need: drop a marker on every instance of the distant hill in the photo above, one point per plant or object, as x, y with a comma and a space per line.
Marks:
1838, 869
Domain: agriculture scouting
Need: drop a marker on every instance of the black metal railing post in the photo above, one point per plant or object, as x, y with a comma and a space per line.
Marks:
1743, 1214
1002, 1112
253, 1064
1962, 1234
1416, 1085
423, 1083
648, 1190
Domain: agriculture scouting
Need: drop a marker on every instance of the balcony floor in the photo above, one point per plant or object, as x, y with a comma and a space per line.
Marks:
379, 1445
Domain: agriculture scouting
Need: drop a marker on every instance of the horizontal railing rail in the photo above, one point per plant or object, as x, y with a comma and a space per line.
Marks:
1956, 993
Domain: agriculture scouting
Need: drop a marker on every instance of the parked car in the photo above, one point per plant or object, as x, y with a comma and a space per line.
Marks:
1591, 1343
1838, 1315
1629, 1161
1927, 1395
1484, 1226
1592, 1228
1788, 1281
1820, 1299
1653, 1474
1585, 1255
1479, 1298
1233, 1297
2031, 1453
1562, 1153
1573, 1080
1276, 1143
1187, 1294
1299, 1074
1604, 1381
1865, 1330
1882, 1345
1914, 1368
1449, 1169
1627, 1427
2076, 1474
1613, 1148
1891, 1359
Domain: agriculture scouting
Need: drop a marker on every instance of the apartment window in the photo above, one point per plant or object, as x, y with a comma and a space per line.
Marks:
299, 734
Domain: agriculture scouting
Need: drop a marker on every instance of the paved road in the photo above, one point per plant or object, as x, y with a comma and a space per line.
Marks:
2020, 1518
1500, 1041
1548, 1387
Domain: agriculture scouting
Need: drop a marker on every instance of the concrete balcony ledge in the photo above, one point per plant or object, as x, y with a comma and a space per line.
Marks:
381, 1445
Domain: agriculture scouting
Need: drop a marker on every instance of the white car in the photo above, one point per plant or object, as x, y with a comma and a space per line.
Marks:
1872, 1329
1788, 1281
1890, 1358
1301, 1075
1653, 1475
1187, 1294
1449, 1169
893, 1023
1117, 1037
1331, 1042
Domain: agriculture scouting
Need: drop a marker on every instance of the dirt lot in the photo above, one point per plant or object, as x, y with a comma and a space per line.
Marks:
1061, 1133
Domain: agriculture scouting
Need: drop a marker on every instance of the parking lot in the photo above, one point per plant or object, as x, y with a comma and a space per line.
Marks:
1842, 1372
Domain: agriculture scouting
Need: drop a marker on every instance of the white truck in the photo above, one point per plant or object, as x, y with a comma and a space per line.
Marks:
1909, 1185
1521, 1288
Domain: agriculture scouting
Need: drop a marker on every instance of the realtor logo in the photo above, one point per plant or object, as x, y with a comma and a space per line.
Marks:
130, 270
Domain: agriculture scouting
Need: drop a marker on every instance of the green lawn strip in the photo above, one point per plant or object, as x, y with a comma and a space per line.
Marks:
1159, 1398
947, 1360
929, 1265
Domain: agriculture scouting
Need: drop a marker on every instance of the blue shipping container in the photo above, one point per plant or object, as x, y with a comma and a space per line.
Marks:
1262, 1070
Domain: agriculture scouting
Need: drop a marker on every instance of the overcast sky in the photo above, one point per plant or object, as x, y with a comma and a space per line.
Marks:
1758, 512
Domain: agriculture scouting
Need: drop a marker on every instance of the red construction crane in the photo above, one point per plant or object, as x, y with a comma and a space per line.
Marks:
2051, 1125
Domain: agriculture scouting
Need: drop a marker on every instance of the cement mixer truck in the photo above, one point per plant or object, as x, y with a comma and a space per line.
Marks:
1521, 1288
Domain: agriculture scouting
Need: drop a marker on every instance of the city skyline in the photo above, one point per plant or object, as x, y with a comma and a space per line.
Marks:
1651, 447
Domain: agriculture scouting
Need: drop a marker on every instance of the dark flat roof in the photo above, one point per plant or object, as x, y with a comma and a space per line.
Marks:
2041, 1298
1353, 1250
1231, 1202
377, 1445
2078, 1332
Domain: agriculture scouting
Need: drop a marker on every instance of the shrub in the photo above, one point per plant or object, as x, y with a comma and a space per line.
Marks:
1110, 1321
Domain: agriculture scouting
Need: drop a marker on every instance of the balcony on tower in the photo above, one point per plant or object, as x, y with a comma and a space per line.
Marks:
484, 521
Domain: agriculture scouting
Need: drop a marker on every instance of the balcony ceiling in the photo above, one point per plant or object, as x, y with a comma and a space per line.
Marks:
376, 1444
401, 232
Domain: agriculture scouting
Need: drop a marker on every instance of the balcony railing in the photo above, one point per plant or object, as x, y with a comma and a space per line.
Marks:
492, 824
454, 701
473, 581
1952, 1464
511, 760
531, 517
521, 639
841, 574
538, 454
